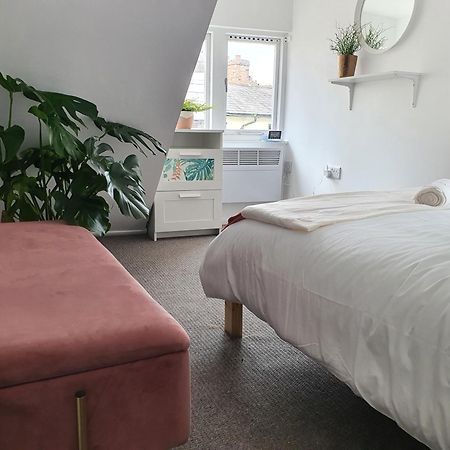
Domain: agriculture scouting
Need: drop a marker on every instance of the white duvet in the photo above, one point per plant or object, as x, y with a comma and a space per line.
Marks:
368, 299
311, 213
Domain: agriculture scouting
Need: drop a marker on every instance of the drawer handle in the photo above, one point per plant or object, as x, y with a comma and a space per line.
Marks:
189, 195
191, 154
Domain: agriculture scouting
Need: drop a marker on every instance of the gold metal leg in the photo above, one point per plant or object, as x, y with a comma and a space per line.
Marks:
233, 319
80, 397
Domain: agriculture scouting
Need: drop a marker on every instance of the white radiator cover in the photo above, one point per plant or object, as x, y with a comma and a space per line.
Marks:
252, 175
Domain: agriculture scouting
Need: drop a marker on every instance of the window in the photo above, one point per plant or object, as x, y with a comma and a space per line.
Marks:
251, 79
240, 75
199, 87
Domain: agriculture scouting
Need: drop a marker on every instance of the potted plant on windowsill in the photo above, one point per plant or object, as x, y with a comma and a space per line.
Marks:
190, 107
346, 43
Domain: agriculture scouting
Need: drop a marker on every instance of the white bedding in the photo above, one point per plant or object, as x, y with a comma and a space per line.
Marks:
311, 213
368, 299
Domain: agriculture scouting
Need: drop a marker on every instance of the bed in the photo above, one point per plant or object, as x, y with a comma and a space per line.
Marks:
369, 299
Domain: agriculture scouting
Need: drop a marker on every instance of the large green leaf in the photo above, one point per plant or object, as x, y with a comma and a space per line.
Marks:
12, 139
23, 184
129, 135
41, 115
49, 163
10, 84
127, 191
86, 182
18, 192
67, 108
25, 210
83, 206
64, 142
9, 170
131, 164
91, 213
96, 151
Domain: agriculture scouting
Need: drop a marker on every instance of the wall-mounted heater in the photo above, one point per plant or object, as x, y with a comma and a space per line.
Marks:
252, 175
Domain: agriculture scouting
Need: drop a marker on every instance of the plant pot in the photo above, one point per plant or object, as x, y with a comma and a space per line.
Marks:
185, 121
347, 65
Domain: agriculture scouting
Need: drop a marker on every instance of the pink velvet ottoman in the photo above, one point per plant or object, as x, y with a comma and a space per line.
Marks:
74, 322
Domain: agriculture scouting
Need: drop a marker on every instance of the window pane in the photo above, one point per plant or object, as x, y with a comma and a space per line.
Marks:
251, 73
198, 89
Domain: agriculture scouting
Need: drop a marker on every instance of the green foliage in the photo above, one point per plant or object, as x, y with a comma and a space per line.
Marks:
66, 178
373, 36
346, 40
193, 106
200, 170
188, 169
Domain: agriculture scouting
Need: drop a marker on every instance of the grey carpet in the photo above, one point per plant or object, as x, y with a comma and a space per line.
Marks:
258, 393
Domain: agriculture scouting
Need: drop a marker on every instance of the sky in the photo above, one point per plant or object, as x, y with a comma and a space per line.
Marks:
261, 57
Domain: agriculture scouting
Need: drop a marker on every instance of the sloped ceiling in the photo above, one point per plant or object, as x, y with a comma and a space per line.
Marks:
133, 58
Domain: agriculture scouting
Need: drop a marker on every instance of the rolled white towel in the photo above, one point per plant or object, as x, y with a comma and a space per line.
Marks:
436, 194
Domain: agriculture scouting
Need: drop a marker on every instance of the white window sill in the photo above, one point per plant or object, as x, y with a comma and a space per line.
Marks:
249, 141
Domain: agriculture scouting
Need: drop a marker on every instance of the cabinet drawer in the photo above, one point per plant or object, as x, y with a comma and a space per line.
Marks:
186, 169
187, 210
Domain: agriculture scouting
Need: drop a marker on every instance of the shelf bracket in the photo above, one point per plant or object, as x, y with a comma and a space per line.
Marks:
415, 93
415, 82
415, 79
351, 93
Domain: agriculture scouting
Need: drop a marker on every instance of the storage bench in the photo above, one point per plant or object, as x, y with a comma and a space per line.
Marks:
87, 359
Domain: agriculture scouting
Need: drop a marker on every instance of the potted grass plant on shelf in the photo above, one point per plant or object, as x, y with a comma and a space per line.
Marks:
190, 107
64, 177
346, 42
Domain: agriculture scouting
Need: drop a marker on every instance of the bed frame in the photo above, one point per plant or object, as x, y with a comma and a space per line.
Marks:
233, 319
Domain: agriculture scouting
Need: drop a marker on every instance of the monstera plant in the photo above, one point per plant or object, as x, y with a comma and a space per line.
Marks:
64, 177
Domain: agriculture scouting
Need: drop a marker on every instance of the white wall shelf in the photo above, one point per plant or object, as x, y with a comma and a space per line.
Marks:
351, 82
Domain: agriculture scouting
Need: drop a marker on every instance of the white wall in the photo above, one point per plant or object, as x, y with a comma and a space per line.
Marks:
134, 59
383, 143
258, 14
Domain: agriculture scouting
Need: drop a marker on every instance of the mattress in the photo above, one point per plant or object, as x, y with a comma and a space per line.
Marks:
368, 299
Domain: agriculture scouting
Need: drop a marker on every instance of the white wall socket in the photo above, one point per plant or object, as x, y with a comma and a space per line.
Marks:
333, 172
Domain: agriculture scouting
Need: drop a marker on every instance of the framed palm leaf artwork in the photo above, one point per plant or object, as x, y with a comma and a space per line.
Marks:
201, 169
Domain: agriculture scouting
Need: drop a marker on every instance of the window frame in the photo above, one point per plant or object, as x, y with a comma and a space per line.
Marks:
217, 39
208, 79
277, 42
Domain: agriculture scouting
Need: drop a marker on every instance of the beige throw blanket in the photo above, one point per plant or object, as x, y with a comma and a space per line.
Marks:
311, 213
436, 194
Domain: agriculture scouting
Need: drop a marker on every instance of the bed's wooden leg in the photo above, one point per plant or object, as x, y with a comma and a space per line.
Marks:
233, 319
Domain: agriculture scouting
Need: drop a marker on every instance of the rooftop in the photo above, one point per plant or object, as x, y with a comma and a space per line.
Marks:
250, 100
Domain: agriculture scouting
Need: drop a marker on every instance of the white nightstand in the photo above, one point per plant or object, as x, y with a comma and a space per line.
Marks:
188, 200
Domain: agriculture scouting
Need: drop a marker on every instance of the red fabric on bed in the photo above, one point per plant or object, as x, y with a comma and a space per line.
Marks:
69, 311
234, 219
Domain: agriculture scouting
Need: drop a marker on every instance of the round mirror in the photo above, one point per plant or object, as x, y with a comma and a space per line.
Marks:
383, 22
